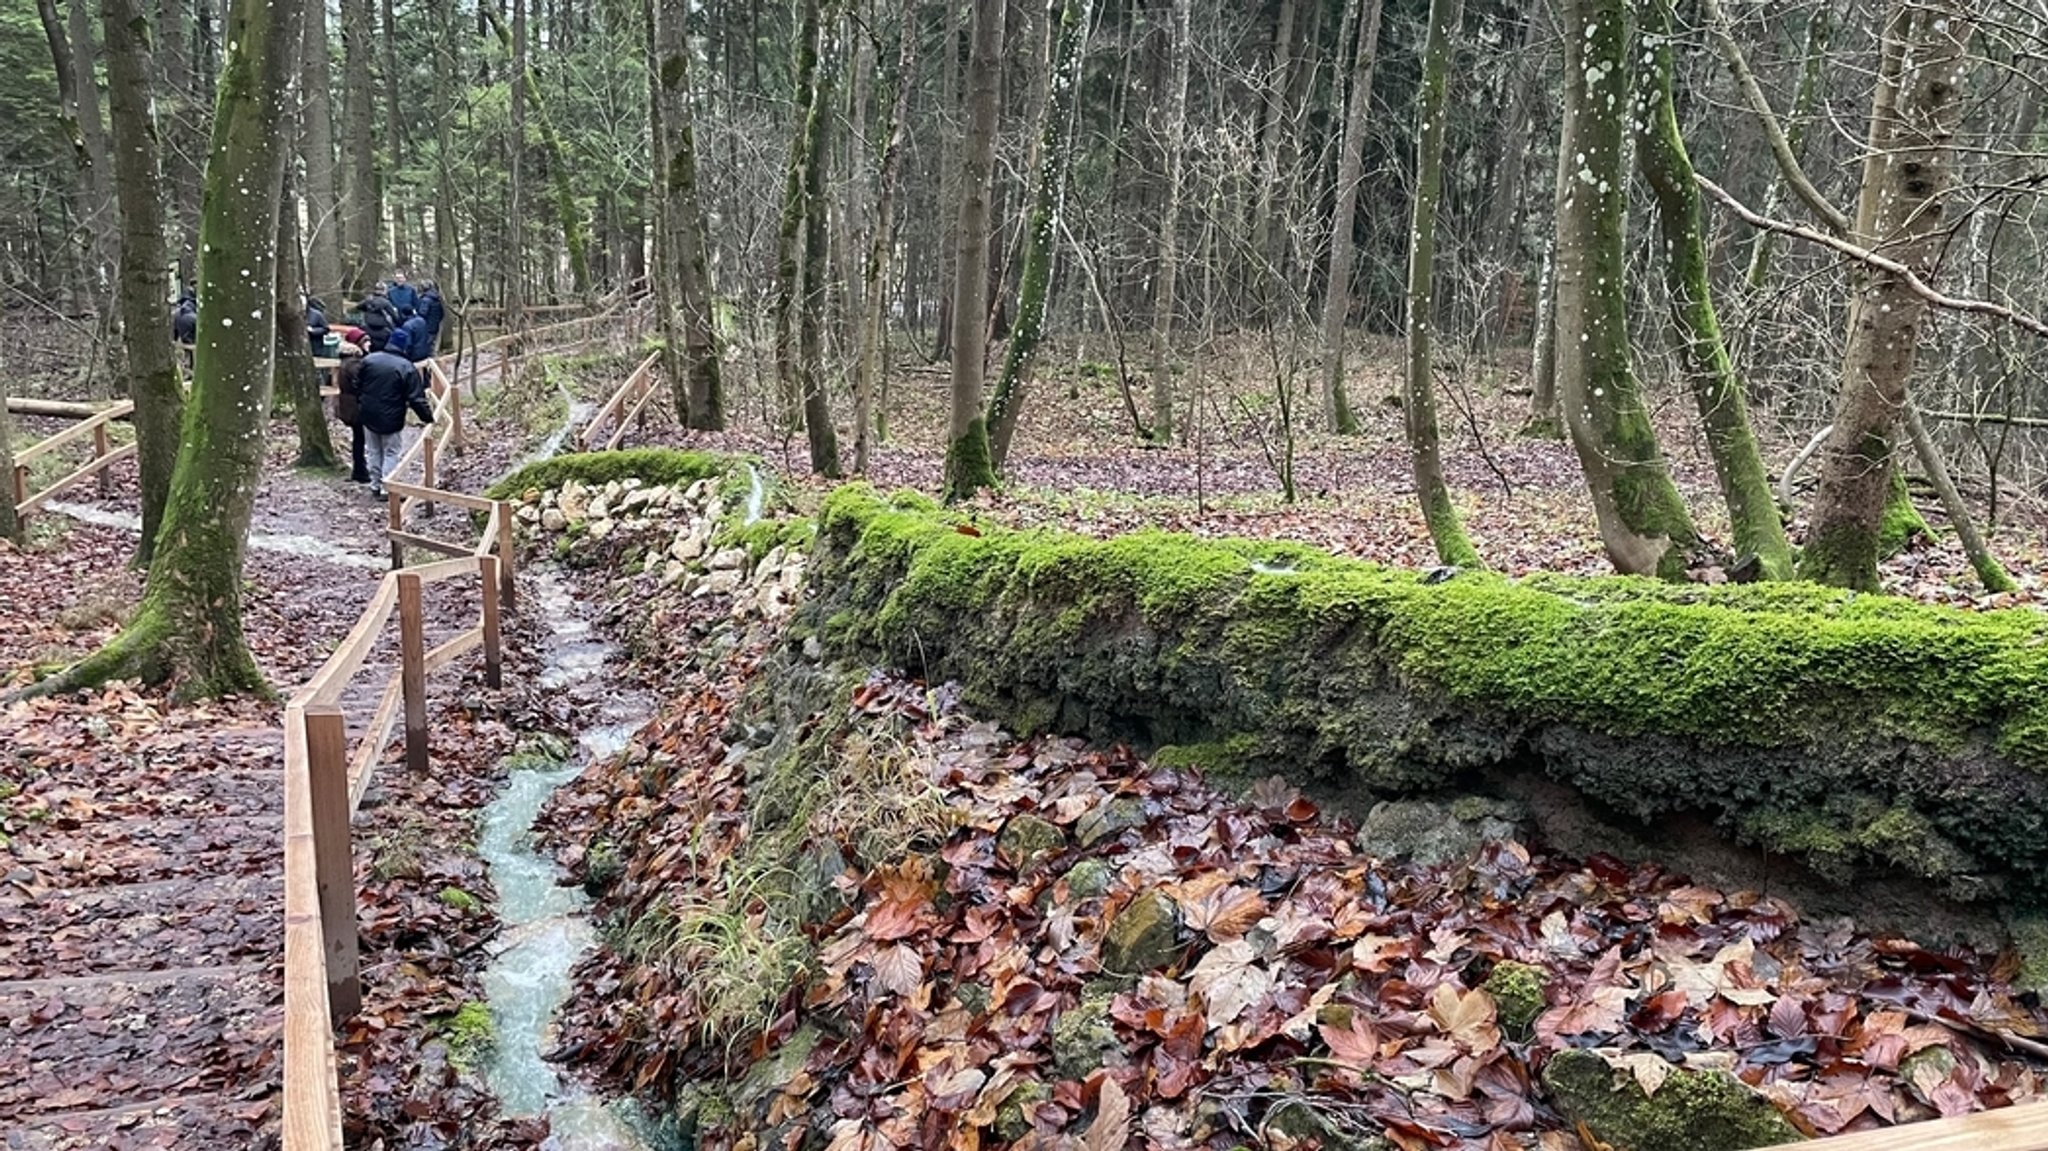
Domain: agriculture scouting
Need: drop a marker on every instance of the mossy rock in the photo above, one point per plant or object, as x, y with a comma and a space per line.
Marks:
1518, 992
2030, 939
663, 466
1892, 723
1013, 1117
459, 899
1083, 1034
1691, 1111
1027, 840
471, 1035
1144, 936
1088, 879
1433, 831
1107, 820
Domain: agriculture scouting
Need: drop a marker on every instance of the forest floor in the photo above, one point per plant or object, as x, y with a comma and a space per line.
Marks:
139, 886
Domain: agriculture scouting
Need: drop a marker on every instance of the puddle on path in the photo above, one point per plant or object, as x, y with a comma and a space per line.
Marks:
305, 547
547, 924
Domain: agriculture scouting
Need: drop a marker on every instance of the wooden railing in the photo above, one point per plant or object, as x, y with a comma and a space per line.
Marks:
104, 456
625, 408
325, 779
2021, 1127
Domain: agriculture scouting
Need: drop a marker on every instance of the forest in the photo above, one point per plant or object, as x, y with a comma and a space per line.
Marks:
1027, 574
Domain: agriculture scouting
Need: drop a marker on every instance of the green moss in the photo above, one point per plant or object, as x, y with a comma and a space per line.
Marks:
471, 1035
1518, 993
1788, 704
1691, 1111
765, 535
2030, 941
1902, 522
459, 899
649, 465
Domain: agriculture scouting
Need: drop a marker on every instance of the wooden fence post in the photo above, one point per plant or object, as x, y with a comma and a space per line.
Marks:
412, 647
334, 861
100, 448
395, 522
507, 582
454, 413
494, 657
427, 457
20, 484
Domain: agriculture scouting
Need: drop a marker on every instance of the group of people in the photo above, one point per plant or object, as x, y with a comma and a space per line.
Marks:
395, 328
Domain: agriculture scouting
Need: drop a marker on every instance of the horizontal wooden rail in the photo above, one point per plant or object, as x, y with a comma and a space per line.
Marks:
95, 466
74, 433
615, 404
453, 499
2021, 1127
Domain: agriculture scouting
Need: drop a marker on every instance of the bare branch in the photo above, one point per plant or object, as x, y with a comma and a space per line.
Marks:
1760, 106
1865, 256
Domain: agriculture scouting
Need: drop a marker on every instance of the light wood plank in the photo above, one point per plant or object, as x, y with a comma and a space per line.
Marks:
436, 495
36, 501
412, 644
2023, 1127
326, 685
312, 1093
363, 768
334, 867
429, 543
455, 648
74, 433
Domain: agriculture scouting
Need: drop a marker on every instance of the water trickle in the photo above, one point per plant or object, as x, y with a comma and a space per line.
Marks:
547, 924
757, 494
304, 547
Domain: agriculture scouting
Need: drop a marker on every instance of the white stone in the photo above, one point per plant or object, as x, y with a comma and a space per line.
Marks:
732, 560
722, 581
686, 547
599, 529
553, 520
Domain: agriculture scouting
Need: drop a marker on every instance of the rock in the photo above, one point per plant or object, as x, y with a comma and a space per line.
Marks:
792, 577
1106, 820
1518, 993
1431, 831
674, 570
1144, 936
640, 497
696, 492
530, 496
574, 501
1690, 1111
613, 490
527, 514
1083, 1034
1088, 879
720, 583
599, 528
1019, 1108
599, 509
2030, 939
731, 559
553, 520
813, 650
686, 547
1026, 839
1926, 1069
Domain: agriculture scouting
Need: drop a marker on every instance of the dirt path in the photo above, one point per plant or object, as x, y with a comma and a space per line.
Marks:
141, 998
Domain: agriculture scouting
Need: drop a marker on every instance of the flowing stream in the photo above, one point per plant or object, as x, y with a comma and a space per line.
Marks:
547, 924
306, 547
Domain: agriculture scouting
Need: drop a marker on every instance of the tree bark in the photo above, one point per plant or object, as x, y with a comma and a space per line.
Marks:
10, 515
1819, 28
1164, 304
1276, 116
394, 140
1990, 572
693, 359
818, 430
1643, 522
294, 375
1906, 178
1695, 328
789, 236
968, 467
1035, 289
184, 136
359, 192
515, 211
1337, 411
86, 251
323, 238
950, 163
153, 382
882, 244
187, 632
1419, 404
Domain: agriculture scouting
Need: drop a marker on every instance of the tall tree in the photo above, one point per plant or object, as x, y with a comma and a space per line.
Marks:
1695, 329
183, 127
323, 239
143, 286
394, 130
818, 430
1164, 304
1907, 173
1275, 120
515, 166
882, 244
1034, 292
88, 247
1643, 521
683, 262
789, 235
361, 207
187, 631
10, 515
968, 467
294, 376
1351, 159
1419, 400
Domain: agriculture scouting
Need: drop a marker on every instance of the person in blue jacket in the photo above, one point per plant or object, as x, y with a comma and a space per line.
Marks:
402, 296
433, 312
417, 342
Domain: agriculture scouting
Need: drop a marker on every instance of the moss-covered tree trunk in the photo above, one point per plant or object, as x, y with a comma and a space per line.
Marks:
968, 468
875, 274
1419, 400
568, 215
294, 374
1695, 329
682, 265
822, 438
1164, 302
1337, 411
323, 242
1990, 572
187, 631
789, 235
144, 282
1906, 178
1643, 522
1034, 293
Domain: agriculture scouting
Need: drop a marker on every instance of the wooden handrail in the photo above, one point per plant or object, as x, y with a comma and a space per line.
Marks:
616, 401
77, 431
2021, 1127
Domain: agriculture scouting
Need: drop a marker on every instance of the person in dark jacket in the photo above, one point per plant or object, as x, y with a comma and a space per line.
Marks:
316, 326
185, 320
387, 386
402, 297
433, 312
379, 319
418, 344
348, 409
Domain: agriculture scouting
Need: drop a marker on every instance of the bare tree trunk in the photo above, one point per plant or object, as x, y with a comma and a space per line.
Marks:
949, 174
1989, 571
1276, 117
1419, 404
515, 212
153, 382
323, 240
359, 192
1164, 304
394, 133
1906, 178
184, 138
823, 438
685, 264
187, 631
10, 515
1695, 329
968, 467
1819, 27
1337, 411
85, 247
789, 235
882, 244
1643, 521
294, 376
